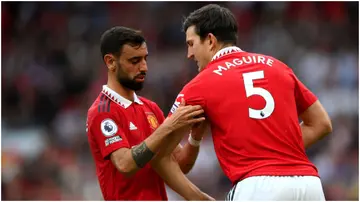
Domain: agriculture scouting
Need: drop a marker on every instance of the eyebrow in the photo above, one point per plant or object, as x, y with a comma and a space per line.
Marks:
138, 57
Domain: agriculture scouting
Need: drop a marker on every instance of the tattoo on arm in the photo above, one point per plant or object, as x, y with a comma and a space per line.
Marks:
141, 154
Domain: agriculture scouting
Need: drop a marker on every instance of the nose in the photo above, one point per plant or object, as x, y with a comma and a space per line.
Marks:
143, 66
190, 53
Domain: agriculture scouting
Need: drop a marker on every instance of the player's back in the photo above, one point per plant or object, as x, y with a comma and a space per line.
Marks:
251, 102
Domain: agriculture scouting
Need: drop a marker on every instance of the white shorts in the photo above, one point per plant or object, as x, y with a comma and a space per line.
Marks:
277, 188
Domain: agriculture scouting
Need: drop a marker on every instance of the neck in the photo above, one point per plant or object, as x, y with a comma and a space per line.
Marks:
221, 47
118, 88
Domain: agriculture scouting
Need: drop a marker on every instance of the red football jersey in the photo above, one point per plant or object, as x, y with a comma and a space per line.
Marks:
253, 102
113, 123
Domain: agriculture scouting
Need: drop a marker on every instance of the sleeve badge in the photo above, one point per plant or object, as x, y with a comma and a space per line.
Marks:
108, 127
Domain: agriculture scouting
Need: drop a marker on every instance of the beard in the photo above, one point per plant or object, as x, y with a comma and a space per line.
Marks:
131, 84
127, 82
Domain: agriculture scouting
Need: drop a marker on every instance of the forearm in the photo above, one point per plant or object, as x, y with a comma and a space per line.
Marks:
172, 141
170, 172
310, 134
315, 125
187, 156
156, 139
144, 152
128, 161
138, 156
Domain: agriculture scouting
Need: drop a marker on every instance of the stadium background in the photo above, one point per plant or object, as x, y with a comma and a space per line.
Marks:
52, 71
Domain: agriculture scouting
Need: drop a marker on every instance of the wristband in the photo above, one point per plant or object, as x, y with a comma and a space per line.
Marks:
193, 142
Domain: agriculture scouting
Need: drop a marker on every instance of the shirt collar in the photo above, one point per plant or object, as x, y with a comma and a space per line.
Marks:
226, 51
117, 98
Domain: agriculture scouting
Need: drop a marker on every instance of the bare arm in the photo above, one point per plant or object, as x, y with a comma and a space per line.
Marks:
128, 161
185, 155
316, 124
169, 170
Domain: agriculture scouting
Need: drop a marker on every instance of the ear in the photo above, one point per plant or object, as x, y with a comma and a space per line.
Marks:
212, 41
110, 62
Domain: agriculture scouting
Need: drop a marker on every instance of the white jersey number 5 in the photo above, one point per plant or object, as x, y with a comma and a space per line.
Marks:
251, 90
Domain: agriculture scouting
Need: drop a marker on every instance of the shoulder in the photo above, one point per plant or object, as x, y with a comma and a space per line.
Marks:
199, 82
99, 117
102, 104
104, 108
276, 61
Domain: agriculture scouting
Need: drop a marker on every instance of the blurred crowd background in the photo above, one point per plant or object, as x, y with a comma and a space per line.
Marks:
52, 70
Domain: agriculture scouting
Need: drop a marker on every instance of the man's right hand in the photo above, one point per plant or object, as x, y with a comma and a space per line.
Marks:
184, 116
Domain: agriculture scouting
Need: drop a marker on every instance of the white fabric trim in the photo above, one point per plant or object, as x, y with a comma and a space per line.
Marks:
226, 51
117, 98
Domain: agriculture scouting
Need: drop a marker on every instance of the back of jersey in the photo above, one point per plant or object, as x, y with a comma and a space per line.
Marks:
253, 102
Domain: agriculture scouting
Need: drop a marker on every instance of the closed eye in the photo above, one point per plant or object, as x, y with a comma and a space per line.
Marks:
135, 60
189, 43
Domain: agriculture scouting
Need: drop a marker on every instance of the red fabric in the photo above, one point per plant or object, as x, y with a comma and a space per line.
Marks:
247, 146
146, 184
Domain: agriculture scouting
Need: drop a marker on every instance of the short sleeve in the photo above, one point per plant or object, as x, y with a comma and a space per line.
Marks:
303, 96
108, 135
192, 94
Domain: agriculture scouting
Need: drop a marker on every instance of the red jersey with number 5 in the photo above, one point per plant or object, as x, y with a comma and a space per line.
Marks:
253, 103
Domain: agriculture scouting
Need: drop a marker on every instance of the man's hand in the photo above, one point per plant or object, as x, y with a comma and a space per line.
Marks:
184, 116
185, 129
